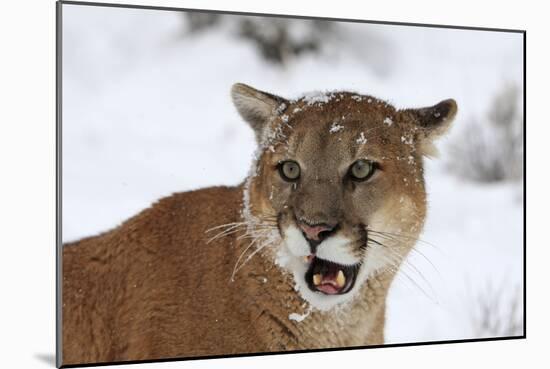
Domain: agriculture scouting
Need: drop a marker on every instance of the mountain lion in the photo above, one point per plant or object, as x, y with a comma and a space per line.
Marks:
299, 256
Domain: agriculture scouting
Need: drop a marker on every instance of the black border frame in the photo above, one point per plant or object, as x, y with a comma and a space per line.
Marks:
58, 155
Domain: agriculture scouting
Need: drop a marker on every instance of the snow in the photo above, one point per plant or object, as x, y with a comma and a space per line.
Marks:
299, 317
362, 139
316, 97
388, 121
482, 253
280, 108
335, 127
407, 140
146, 113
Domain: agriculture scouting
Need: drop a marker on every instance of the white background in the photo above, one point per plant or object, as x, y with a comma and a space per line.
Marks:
28, 203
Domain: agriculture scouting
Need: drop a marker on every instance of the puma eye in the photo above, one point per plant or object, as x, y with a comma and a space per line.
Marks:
289, 170
361, 170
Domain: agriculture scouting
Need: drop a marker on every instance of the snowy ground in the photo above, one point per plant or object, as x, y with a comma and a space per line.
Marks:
146, 112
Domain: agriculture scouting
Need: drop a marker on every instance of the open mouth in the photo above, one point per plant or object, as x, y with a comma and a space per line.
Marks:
330, 278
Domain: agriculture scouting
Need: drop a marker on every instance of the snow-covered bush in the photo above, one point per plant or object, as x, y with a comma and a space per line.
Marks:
491, 149
197, 21
498, 312
277, 39
281, 39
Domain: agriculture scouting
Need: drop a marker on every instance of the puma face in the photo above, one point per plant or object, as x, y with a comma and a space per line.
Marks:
340, 175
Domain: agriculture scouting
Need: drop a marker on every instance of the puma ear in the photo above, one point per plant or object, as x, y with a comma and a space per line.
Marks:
433, 122
256, 107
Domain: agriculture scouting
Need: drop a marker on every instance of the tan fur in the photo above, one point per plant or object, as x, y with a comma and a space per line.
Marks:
154, 287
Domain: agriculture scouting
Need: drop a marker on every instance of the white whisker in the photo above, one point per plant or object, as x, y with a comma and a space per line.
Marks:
262, 246
235, 224
396, 263
235, 268
223, 234
385, 235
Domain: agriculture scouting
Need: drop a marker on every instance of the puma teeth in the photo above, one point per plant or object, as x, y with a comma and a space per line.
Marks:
340, 279
317, 279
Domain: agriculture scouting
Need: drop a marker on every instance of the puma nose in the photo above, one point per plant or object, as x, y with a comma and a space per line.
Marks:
316, 232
